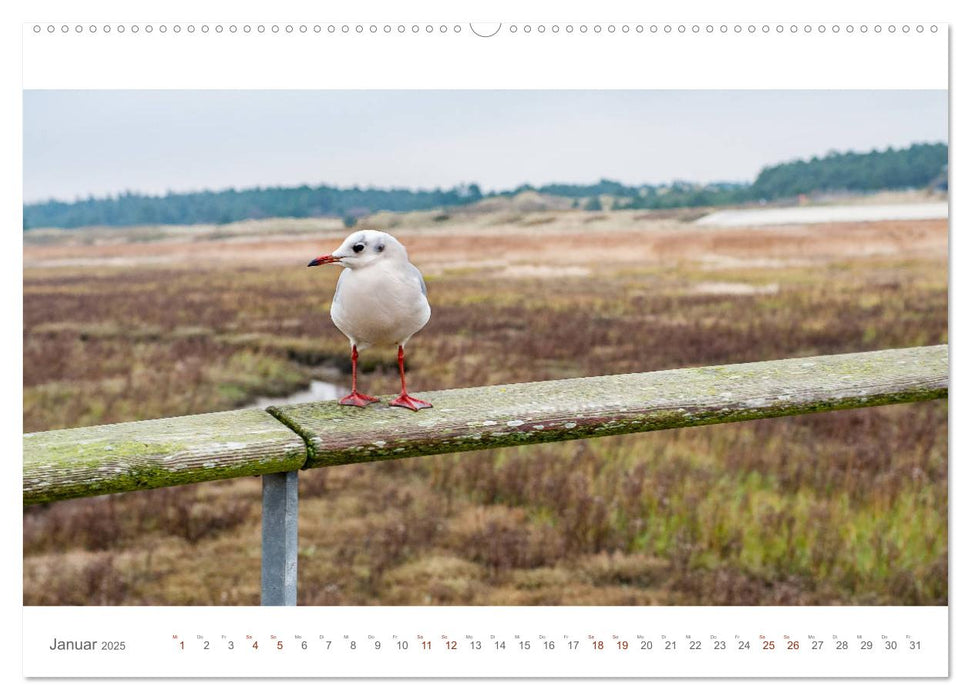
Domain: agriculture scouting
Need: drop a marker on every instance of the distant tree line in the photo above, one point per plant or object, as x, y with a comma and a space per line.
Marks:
920, 165
225, 206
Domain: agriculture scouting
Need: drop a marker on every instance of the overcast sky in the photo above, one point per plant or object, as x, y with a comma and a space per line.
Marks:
80, 143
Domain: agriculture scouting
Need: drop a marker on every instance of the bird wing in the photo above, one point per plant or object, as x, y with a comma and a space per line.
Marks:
337, 290
415, 273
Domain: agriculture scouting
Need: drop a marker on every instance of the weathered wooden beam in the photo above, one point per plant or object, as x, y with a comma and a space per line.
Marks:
62, 464
80, 462
519, 414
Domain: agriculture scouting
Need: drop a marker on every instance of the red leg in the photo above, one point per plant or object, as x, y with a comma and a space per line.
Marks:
404, 400
355, 398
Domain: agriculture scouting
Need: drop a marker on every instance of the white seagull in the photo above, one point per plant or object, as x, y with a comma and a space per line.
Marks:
380, 300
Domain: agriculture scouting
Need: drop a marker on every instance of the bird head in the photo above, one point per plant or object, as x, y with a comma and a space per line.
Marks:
364, 248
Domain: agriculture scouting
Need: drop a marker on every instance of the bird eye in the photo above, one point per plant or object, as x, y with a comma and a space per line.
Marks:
379, 247
357, 247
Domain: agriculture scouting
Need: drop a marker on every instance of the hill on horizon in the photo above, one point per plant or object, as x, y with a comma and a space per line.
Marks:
921, 165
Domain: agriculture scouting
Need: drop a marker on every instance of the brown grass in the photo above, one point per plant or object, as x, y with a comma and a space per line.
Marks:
842, 508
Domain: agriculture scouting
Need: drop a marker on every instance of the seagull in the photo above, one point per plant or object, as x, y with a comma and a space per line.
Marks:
380, 300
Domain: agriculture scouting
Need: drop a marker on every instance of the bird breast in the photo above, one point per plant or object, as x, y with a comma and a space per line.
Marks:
377, 306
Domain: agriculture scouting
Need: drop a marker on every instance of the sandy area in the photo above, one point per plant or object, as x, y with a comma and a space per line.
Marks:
526, 250
826, 214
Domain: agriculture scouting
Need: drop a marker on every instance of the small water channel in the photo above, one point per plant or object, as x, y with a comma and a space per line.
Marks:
319, 390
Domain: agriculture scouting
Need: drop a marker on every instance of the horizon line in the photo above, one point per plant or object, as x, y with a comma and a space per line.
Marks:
492, 193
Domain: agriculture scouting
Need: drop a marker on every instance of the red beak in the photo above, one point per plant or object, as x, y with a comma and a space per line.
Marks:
322, 260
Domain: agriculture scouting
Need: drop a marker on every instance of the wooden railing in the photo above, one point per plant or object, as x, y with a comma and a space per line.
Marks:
275, 443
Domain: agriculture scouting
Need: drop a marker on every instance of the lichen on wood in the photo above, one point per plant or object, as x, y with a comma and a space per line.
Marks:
79, 462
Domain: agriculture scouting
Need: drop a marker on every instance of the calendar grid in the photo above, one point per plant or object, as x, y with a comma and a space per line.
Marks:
499, 642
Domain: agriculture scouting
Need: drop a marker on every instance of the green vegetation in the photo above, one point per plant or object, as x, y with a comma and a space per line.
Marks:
920, 165
131, 209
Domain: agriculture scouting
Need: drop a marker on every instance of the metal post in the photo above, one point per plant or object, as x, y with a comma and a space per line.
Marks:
279, 581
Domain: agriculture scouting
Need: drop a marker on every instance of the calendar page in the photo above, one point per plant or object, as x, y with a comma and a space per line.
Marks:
538, 347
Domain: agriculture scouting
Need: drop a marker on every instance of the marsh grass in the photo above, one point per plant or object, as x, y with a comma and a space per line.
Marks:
841, 508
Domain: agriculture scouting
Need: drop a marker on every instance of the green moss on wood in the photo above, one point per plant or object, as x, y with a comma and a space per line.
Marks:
508, 415
148, 454
132, 456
